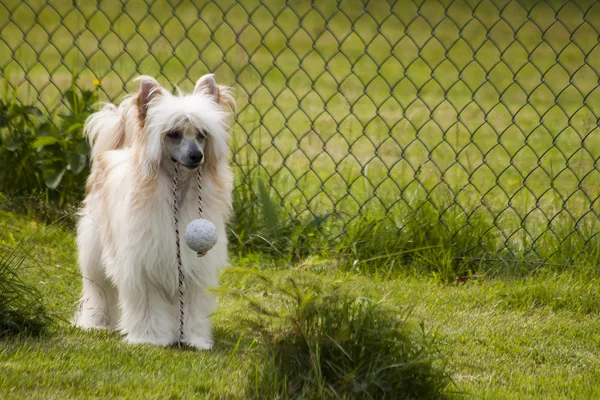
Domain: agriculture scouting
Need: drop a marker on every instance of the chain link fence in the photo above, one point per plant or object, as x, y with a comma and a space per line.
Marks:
479, 108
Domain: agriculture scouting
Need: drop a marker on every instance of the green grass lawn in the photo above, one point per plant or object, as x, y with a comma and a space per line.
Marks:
536, 336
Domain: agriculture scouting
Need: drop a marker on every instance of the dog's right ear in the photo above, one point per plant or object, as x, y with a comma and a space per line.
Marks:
149, 89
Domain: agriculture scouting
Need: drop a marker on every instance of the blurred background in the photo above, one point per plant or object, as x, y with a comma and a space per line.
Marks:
471, 125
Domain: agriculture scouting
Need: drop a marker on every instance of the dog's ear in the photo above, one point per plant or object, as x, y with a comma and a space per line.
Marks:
149, 89
219, 93
207, 85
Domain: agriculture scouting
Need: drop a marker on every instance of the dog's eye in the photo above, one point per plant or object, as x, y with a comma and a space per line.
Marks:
174, 134
202, 134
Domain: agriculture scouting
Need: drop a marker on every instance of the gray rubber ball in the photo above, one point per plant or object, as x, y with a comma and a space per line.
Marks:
201, 235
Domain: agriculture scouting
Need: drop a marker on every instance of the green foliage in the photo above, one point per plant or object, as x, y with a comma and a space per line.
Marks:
19, 169
321, 339
430, 239
45, 155
434, 239
260, 224
63, 150
431, 235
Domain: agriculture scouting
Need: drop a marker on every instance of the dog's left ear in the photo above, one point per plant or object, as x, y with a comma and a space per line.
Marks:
219, 93
207, 85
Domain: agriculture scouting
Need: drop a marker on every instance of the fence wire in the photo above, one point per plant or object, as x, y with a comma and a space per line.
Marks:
485, 110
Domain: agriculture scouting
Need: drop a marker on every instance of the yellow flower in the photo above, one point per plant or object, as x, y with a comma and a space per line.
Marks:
96, 82
310, 234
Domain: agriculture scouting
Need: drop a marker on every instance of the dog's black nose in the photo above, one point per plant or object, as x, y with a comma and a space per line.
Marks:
196, 157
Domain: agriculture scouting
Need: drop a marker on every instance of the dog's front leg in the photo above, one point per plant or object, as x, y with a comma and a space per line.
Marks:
198, 308
147, 316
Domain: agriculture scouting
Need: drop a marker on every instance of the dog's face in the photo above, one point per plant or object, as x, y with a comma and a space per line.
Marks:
185, 145
188, 129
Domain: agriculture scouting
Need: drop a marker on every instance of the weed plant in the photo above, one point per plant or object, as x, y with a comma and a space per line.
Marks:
22, 311
325, 339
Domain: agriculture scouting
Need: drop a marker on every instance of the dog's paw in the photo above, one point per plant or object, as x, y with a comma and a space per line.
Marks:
87, 321
149, 340
91, 326
200, 343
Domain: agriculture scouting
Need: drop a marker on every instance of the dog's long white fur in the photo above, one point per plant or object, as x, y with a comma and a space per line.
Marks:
126, 234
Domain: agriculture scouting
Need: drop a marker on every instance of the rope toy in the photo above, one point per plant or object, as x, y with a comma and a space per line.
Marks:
200, 236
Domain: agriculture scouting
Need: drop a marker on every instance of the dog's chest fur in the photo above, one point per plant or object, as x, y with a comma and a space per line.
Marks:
161, 263
143, 230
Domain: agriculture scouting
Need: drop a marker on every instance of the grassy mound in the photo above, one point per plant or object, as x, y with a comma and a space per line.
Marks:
320, 339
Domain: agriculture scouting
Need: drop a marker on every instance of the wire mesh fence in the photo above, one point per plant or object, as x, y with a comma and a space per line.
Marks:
485, 110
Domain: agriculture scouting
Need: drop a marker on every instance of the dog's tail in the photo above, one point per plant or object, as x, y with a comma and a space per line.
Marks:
104, 130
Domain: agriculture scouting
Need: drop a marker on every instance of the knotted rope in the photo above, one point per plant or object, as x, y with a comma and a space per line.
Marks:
177, 243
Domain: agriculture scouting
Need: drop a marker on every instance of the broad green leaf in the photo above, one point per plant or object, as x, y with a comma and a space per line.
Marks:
46, 129
82, 148
87, 95
75, 127
13, 143
33, 110
269, 208
52, 178
77, 162
71, 98
44, 141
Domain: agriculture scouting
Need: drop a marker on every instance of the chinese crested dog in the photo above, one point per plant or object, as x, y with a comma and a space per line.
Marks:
126, 231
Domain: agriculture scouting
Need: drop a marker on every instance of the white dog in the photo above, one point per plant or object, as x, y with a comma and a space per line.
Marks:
126, 233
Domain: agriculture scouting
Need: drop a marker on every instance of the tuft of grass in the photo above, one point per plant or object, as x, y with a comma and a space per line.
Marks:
430, 235
322, 339
438, 240
22, 311
260, 224
435, 239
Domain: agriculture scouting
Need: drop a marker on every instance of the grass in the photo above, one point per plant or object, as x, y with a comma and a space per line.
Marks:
22, 311
499, 337
432, 235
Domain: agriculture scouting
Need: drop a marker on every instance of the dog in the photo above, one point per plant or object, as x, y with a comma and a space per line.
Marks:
126, 230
